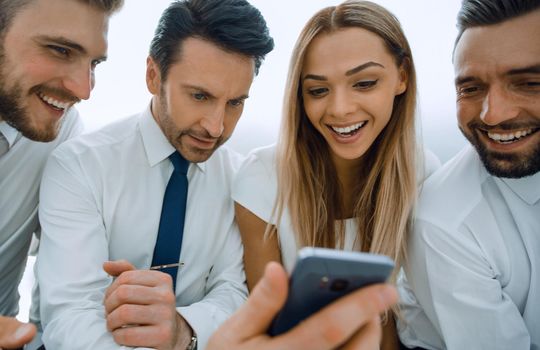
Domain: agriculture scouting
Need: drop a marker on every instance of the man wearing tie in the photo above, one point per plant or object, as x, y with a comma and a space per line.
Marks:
149, 196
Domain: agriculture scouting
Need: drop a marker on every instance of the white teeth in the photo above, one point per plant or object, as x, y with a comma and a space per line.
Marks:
348, 129
510, 136
54, 103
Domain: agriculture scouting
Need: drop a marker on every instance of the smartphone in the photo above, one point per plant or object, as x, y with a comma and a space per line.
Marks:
321, 276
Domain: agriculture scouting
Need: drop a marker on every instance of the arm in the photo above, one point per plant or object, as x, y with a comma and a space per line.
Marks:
74, 245
225, 289
389, 339
258, 250
349, 323
14, 334
459, 291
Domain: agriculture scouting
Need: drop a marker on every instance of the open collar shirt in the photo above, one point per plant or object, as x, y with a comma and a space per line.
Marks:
475, 260
101, 199
21, 168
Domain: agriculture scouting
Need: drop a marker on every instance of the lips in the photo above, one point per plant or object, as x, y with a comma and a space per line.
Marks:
204, 143
347, 131
53, 103
510, 136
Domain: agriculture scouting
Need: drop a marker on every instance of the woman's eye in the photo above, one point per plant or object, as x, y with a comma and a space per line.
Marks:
316, 92
365, 84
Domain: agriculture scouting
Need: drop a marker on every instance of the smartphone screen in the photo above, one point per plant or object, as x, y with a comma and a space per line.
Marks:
321, 276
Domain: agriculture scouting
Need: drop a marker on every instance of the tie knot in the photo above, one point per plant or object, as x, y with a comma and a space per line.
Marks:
180, 164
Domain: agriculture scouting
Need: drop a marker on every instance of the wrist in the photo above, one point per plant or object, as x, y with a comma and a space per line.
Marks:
186, 337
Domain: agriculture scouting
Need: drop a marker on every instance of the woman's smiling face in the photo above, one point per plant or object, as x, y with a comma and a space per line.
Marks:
349, 82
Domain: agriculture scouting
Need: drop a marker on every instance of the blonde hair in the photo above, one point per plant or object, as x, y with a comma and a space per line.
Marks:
307, 178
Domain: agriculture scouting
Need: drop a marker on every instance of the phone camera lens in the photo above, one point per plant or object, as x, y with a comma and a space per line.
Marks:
339, 285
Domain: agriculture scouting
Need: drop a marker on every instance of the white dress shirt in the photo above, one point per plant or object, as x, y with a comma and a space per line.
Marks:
255, 188
101, 199
475, 260
20, 174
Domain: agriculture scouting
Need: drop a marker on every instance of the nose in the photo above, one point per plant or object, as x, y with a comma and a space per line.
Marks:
213, 122
498, 106
340, 104
80, 81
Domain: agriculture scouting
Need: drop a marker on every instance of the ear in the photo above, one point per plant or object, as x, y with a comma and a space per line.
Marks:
403, 78
153, 76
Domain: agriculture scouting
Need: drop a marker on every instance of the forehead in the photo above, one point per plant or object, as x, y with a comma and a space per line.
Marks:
495, 49
344, 49
204, 64
69, 19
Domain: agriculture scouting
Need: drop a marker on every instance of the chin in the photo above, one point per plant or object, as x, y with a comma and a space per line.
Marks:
510, 165
45, 134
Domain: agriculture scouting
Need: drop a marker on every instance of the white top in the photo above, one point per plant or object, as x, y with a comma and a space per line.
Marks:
20, 174
101, 199
475, 260
255, 188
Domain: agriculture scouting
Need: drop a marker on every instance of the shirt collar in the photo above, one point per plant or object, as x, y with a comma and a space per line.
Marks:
9, 133
527, 188
155, 143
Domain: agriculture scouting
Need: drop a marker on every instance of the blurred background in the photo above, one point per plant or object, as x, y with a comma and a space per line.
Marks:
429, 26
121, 90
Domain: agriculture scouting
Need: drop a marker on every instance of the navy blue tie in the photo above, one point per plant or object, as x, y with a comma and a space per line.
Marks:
171, 225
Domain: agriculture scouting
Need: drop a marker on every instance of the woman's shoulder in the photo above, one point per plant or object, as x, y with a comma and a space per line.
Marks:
255, 184
260, 162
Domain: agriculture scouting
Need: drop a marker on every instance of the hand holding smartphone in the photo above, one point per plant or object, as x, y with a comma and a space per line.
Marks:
321, 276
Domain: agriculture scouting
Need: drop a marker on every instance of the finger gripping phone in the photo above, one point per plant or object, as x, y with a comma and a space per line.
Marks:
321, 276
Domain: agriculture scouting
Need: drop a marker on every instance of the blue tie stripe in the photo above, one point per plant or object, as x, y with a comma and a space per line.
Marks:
173, 212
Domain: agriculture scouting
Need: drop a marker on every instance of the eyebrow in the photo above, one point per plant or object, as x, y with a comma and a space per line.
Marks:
525, 70
60, 40
463, 80
535, 69
347, 73
206, 92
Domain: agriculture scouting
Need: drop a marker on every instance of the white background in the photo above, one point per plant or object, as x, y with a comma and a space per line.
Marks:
429, 26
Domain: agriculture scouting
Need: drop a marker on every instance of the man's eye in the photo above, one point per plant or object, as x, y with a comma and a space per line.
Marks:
236, 103
59, 50
466, 91
532, 84
199, 96
95, 63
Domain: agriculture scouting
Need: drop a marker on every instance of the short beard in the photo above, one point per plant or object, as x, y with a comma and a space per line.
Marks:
174, 136
506, 165
13, 112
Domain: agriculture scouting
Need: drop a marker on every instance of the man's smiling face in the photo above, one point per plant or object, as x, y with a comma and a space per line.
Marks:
47, 60
497, 71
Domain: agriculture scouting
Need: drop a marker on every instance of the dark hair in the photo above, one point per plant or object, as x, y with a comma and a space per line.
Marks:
9, 8
474, 13
234, 25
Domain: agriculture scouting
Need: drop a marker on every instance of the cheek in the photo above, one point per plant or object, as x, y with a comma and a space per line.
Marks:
231, 120
381, 107
466, 112
314, 111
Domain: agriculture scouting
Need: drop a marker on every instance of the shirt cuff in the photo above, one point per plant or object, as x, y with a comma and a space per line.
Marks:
201, 318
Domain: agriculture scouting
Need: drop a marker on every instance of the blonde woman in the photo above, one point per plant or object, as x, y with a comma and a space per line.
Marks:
344, 173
